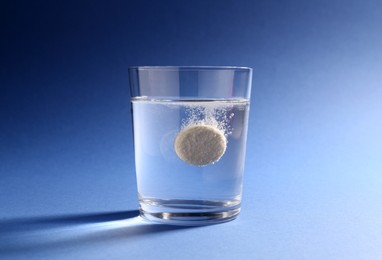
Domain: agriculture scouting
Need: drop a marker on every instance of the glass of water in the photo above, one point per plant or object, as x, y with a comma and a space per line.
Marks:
190, 131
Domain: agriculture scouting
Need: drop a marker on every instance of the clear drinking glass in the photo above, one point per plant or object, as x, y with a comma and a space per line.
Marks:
190, 132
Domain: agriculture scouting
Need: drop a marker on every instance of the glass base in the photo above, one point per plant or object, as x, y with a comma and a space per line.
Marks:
189, 212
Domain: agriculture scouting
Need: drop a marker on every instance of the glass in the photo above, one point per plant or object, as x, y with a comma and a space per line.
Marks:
190, 131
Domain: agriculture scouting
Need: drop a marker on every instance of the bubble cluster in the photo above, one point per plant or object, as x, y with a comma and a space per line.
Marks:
209, 114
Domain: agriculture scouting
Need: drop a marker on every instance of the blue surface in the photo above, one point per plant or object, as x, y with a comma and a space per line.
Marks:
314, 166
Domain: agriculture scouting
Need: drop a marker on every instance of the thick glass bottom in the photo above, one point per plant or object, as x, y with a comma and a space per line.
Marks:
189, 212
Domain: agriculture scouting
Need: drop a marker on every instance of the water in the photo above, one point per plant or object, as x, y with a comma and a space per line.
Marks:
174, 191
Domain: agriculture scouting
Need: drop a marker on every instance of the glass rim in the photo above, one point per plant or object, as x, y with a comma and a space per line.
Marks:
191, 68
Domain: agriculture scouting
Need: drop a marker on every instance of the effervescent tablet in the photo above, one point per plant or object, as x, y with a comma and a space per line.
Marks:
200, 144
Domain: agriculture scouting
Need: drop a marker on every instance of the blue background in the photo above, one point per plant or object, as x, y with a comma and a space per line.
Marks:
314, 162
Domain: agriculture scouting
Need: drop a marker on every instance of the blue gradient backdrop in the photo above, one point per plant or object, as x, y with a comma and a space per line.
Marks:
314, 162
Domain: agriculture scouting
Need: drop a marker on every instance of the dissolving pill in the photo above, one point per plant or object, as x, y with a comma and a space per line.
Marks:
200, 144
